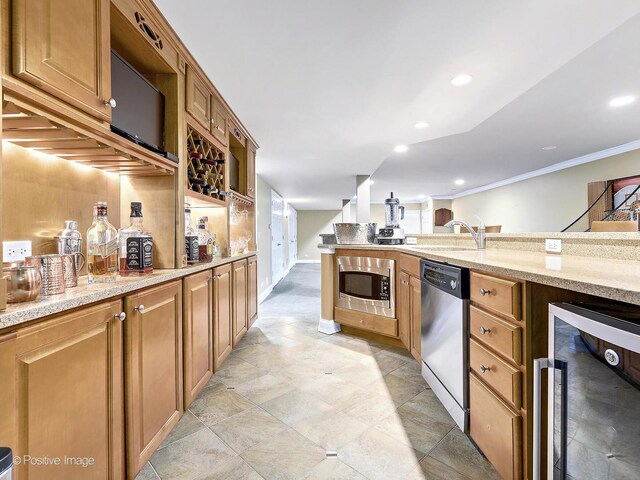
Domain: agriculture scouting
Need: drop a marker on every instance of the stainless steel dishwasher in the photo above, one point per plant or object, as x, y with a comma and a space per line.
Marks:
6, 463
445, 336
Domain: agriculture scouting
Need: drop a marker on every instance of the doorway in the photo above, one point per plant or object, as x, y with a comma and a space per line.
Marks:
277, 238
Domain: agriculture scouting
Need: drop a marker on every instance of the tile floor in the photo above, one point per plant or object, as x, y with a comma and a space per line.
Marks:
288, 395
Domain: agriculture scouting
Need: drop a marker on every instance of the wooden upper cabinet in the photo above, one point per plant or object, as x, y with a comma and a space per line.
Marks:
240, 319
251, 169
403, 309
70, 394
219, 121
63, 48
252, 296
197, 332
153, 377
199, 98
222, 311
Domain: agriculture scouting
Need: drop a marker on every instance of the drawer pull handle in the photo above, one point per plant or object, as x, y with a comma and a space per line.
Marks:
362, 321
120, 316
139, 308
484, 330
484, 292
484, 369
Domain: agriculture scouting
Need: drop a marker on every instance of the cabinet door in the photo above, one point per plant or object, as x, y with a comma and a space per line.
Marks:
403, 307
70, 394
240, 319
416, 312
8, 391
197, 331
153, 377
251, 170
222, 332
219, 120
63, 48
252, 297
198, 99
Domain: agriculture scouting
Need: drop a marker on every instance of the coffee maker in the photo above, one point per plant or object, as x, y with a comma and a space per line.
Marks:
392, 234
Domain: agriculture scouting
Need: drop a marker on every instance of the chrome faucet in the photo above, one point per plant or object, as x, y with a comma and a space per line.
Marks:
480, 237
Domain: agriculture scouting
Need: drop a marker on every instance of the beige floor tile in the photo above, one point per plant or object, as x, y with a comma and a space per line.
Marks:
331, 430
216, 402
401, 353
431, 469
388, 362
367, 407
239, 372
248, 428
422, 436
396, 388
457, 452
362, 374
412, 372
295, 406
426, 406
379, 457
263, 389
330, 388
147, 473
333, 469
195, 456
287, 456
236, 469
187, 425
298, 373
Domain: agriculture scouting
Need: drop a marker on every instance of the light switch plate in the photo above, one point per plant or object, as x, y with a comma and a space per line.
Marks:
412, 241
553, 245
15, 251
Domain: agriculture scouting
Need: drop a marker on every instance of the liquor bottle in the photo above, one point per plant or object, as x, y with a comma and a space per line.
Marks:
190, 239
102, 247
136, 246
205, 242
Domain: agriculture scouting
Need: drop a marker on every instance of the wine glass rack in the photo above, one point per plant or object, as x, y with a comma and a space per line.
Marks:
205, 167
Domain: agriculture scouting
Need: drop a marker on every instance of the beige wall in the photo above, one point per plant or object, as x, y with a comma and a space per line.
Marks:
263, 234
547, 203
311, 223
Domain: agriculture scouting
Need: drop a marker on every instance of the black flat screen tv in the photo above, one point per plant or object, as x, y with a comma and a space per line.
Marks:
139, 112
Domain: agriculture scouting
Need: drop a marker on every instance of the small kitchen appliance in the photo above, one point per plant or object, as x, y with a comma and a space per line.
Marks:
367, 284
392, 234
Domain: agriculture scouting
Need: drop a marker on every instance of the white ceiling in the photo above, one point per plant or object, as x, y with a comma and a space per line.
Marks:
328, 87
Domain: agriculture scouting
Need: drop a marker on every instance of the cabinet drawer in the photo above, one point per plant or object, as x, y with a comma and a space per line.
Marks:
366, 321
409, 264
504, 337
496, 294
237, 133
498, 374
496, 429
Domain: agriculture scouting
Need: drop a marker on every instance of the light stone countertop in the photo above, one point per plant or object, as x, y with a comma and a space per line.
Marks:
611, 278
85, 294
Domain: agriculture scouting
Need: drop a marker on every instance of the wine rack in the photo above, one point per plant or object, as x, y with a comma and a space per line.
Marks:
205, 167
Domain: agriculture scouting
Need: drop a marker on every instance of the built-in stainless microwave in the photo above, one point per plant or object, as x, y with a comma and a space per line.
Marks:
367, 285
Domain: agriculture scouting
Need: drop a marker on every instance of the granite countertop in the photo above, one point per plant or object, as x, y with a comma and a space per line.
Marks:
85, 294
615, 279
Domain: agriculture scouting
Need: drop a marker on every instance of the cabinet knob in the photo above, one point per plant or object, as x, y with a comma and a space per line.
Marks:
110, 103
139, 308
484, 330
484, 292
484, 369
219, 275
120, 316
361, 321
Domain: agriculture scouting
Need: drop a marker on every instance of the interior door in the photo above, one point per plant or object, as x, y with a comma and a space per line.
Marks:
293, 236
277, 238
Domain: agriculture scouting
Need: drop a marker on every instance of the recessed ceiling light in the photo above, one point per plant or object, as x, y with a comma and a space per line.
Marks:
549, 147
459, 182
355, 196
622, 101
371, 182
422, 195
400, 148
461, 80
421, 124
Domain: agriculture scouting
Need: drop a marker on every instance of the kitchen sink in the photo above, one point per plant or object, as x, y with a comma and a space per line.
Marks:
442, 248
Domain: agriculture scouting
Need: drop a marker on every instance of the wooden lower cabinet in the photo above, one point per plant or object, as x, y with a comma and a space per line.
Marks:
252, 286
153, 369
416, 317
240, 319
69, 395
222, 312
496, 429
197, 333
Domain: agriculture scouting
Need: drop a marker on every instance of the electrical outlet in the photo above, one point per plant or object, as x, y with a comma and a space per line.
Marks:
15, 251
412, 241
553, 245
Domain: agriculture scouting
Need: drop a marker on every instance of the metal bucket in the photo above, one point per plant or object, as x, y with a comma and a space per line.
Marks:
355, 233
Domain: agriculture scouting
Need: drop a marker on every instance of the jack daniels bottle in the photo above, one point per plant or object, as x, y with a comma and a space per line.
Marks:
136, 246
